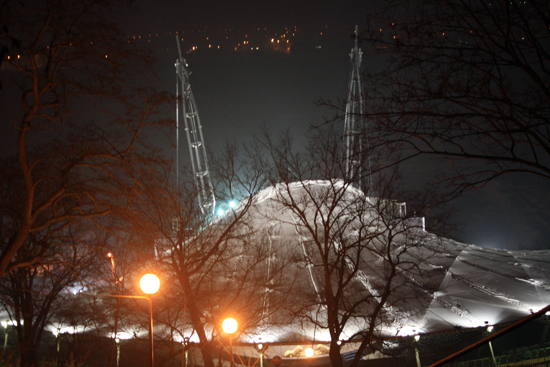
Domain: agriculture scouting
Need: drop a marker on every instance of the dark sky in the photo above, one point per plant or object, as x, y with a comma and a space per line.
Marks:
168, 15
238, 92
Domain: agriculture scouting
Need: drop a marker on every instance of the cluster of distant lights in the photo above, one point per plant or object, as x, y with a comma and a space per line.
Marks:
279, 40
245, 44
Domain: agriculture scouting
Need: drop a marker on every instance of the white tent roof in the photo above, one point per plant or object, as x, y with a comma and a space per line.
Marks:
465, 286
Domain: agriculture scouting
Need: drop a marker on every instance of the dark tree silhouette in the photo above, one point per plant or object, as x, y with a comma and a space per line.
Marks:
220, 266
362, 254
32, 294
77, 127
463, 80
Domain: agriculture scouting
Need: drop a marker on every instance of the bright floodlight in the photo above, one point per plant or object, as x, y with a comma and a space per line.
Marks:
309, 352
232, 204
149, 283
229, 325
220, 212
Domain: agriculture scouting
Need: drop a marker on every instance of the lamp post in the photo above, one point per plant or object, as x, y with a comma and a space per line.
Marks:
309, 353
261, 348
117, 309
489, 330
56, 333
110, 256
150, 284
416, 352
5, 325
185, 352
230, 325
117, 342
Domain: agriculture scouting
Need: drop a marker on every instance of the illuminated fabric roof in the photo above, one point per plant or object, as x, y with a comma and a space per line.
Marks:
463, 286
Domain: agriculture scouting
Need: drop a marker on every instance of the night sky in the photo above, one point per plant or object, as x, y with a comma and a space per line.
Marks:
239, 90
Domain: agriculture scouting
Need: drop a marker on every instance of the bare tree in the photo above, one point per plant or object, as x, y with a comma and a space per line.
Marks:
78, 125
363, 256
463, 80
220, 266
33, 294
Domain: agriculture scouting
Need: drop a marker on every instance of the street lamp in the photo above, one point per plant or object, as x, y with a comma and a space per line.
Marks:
489, 330
230, 325
117, 342
309, 353
5, 325
56, 333
150, 284
110, 256
261, 348
185, 355
416, 351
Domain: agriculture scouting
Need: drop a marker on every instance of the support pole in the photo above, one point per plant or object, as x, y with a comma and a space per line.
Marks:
231, 351
5, 325
262, 358
151, 346
492, 353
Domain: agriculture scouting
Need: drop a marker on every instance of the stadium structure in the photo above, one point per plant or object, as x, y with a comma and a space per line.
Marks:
446, 295
454, 295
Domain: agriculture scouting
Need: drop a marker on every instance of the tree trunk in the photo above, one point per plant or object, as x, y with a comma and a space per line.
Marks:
334, 354
197, 321
28, 351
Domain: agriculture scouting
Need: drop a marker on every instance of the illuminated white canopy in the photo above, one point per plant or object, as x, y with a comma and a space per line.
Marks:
463, 285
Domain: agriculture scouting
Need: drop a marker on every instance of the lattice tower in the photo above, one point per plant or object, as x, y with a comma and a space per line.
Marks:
195, 140
355, 135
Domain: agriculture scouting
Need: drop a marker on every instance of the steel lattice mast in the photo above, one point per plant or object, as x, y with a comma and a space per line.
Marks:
195, 140
355, 137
